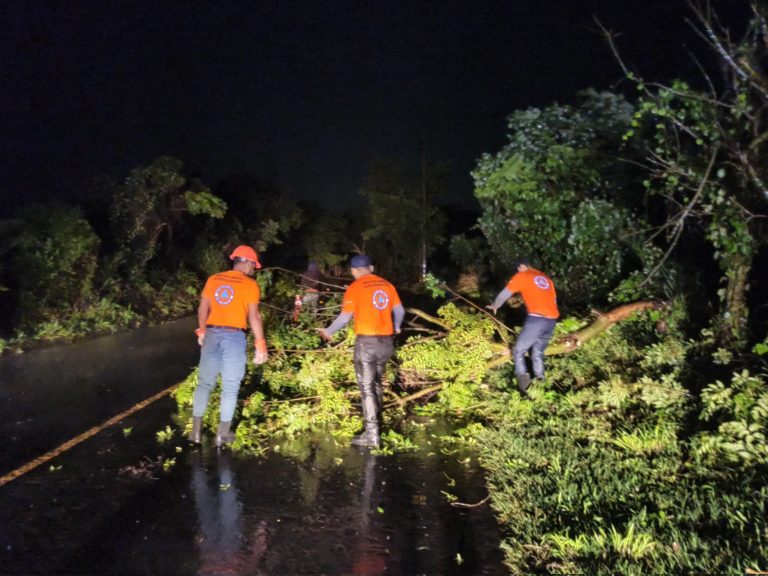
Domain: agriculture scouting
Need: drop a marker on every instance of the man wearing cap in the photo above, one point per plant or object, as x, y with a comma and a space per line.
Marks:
378, 313
540, 298
229, 304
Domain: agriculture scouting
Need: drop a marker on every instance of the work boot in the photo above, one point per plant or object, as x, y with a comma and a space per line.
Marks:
196, 435
523, 381
223, 435
369, 438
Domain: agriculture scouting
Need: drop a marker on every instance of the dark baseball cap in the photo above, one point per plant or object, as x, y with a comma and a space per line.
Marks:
360, 261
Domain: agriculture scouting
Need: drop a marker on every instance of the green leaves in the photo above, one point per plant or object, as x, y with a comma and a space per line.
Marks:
551, 194
741, 413
202, 202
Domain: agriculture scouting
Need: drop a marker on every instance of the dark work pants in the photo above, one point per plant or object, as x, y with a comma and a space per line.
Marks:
534, 336
371, 356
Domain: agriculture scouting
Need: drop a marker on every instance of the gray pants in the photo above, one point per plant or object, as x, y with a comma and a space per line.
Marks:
371, 356
534, 336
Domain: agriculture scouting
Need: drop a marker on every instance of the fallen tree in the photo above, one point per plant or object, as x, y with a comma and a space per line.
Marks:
501, 351
444, 363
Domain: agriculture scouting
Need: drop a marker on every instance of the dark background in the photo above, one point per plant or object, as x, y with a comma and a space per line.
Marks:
303, 94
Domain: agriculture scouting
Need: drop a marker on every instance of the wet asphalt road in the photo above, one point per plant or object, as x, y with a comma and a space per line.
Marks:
108, 506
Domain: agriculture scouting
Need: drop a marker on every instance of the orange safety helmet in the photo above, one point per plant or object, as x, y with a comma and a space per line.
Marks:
246, 253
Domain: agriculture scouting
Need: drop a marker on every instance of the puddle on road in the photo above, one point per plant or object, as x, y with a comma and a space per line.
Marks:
316, 507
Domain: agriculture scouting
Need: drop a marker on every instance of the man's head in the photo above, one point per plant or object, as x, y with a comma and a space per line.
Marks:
245, 258
360, 265
521, 264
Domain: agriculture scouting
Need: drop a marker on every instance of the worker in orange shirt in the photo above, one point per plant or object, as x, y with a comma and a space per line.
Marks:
229, 305
378, 313
540, 298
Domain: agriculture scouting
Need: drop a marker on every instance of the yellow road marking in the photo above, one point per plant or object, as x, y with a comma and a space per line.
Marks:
20, 471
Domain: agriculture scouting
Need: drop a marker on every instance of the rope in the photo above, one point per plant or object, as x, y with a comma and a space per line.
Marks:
69, 444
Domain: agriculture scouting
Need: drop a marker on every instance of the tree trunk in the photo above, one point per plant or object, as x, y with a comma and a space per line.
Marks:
732, 323
602, 322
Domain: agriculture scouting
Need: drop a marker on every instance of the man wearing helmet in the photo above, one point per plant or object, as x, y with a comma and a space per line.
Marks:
229, 304
378, 313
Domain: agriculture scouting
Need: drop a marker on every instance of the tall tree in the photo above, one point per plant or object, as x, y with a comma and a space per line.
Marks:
398, 225
556, 193
709, 159
150, 204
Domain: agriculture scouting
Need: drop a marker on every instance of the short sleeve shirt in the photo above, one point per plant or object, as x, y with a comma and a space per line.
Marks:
230, 294
538, 292
371, 299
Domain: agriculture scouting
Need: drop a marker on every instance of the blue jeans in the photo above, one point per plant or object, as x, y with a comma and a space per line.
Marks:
223, 352
534, 336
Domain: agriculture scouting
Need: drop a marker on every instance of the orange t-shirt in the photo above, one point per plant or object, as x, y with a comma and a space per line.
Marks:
230, 293
538, 292
371, 299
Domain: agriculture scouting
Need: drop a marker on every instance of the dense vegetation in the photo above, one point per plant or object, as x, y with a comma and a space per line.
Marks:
644, 450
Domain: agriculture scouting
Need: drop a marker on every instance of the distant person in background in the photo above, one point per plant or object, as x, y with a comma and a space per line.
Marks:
378, 313
540, 298
229, 304
310, 285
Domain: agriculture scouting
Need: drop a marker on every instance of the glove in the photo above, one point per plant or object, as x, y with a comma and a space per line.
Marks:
492, 308
200, 335
260, 356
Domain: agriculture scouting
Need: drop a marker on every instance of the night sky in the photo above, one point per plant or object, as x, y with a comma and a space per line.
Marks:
303, 94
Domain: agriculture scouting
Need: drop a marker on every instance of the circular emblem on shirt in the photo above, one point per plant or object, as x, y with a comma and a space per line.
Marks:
224, 294
380, 300
541, 282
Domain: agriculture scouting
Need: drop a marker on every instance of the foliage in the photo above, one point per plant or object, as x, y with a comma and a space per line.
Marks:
707, 160
469, 253
599, 472
203, 203
102, 316
176, 297
55, 253
58, 285
149, 204
603, 480
325, 240
397, 221
459, 360
740, 411
433, 285
553, 194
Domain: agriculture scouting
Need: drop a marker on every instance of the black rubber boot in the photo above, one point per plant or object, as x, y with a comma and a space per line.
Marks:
370, 437
224, 436
196, 435
523, 381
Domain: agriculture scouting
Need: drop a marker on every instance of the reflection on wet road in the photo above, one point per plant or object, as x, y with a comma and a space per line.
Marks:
50, 395
314, 506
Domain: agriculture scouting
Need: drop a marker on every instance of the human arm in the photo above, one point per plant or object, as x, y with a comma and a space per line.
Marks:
502, 297
203, 310
339, 323
257, 328
398, 313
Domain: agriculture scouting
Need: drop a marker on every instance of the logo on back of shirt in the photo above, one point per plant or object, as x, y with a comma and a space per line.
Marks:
541, 282
224, 294
380, 300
